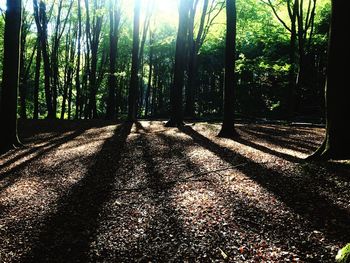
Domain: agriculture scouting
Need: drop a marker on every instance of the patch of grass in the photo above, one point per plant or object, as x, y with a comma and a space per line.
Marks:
343, 255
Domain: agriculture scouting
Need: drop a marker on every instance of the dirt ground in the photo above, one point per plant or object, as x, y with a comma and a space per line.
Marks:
99, 192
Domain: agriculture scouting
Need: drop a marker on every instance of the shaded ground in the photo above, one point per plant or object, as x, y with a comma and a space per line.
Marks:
98, 192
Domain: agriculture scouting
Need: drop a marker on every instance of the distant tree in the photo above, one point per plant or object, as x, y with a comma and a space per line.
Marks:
41, 24
114, 20
10, 79
301, 23
146, 28
195, 41
176, 113
336, 144
78, 98
228, 125
93, 34
37, 80
133, 88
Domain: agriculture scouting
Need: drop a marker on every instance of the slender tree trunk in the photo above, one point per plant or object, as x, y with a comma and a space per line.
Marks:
41, 23
92, 106
77, 74
176, 114
10, 79
23, 80
132, 111
195, 43
291, 75
149, 85
228, 129
114, 17
37, 81
65, 85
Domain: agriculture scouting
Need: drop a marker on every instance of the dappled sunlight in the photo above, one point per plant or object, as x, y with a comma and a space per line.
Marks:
34, 192
173, 193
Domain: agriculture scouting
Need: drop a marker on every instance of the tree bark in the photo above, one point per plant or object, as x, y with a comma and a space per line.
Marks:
11, 65
176, 112
37, 81
132, 111
77, 73
114, 17
41, 23
336, 144
228, 125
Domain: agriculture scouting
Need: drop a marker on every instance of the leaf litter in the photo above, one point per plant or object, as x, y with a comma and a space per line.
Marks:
101, 192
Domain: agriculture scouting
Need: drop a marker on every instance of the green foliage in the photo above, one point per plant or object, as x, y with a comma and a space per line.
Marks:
343, 255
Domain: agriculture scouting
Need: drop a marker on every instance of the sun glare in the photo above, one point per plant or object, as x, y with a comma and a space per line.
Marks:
163, 11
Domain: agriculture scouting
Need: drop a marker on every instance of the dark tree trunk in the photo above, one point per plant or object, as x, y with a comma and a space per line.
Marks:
132, 111
228, 129
149, 85
94, 44
337, 141
291, 99
77, 74
10, 83
195, 43
176, 113
37, 81
41, 23
23, 79
114, 16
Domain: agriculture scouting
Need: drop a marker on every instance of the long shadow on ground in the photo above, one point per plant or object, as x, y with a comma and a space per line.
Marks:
163, 244
300, 193
67, 234
280, 136
9, 177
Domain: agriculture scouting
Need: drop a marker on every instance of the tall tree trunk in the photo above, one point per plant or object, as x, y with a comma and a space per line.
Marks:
114, 17
228, 129
94, 38
41, 23
176, 113
37, 80
77, 74
10, 79
337, 141
23, 80
132, 111
65, 85
149, 85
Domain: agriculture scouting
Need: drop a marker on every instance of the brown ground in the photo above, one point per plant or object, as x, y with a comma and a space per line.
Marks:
98, 192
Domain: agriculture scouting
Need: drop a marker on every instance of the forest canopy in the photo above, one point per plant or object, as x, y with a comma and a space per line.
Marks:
265, 68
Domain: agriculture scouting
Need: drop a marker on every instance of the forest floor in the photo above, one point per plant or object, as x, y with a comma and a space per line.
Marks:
98, 192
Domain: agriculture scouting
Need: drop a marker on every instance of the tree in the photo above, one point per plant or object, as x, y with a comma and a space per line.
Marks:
41, 24
132, 110
77, 74
195, 42
301, 27
114, 20
176, 113
37, 80
228, 125
93, 35
12, 47
336, 144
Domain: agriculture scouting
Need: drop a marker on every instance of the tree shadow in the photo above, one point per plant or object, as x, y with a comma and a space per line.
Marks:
57, 128
300, 193
11, 175
282, 137
67, 234
267, 150
166, 218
